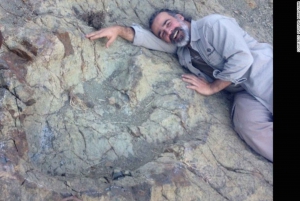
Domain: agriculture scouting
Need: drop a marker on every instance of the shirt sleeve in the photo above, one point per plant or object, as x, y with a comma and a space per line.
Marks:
147, 39
226, 37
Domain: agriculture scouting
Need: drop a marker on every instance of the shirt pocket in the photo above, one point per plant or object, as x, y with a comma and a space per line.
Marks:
210, 55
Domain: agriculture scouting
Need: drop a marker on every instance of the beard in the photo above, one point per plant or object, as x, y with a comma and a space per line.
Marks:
180, 35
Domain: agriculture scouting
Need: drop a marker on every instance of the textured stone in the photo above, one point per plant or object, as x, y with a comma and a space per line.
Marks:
84, 122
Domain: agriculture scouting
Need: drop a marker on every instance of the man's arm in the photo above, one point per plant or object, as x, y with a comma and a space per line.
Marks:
147, 39
203, 87
135, 34
111, 33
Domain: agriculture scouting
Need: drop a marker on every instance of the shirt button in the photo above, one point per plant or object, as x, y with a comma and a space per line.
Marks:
208, 49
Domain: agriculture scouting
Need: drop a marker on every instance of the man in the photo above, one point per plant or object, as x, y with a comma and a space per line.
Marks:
221, 55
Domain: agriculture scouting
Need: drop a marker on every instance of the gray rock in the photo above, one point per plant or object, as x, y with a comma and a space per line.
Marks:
76, 116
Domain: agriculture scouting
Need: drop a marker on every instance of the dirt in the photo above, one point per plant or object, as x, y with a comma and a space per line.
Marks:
93, 19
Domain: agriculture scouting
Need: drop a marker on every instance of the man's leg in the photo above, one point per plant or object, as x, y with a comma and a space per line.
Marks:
254, 123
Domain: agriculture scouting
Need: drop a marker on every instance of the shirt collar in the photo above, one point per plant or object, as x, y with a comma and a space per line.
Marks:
195, 34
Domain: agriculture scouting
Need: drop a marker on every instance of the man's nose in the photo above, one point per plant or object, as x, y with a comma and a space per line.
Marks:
169, 30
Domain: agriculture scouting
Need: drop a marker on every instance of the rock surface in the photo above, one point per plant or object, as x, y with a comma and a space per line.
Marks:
78, 119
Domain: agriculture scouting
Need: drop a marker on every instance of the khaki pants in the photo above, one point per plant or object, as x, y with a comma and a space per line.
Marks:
254, 123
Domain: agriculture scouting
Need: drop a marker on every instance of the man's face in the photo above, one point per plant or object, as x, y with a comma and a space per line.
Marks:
171, 29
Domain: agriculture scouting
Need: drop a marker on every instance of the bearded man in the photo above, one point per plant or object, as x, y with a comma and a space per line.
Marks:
221, 55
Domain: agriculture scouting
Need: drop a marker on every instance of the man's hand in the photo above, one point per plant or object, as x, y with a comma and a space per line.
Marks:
203, 87
198, 84
111, 33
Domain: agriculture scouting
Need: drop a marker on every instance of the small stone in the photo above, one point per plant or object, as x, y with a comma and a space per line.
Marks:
117, 173
252, 4
112, 100
127, 173
237, 12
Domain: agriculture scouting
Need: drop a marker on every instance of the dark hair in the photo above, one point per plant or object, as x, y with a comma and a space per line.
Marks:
170, 12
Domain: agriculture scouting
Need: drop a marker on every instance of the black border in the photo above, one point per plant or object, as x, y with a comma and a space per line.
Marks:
286, 65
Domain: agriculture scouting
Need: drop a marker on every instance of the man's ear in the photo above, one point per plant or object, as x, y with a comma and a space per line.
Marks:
180, 16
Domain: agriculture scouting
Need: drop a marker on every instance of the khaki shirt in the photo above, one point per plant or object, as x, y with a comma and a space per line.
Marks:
233, 54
